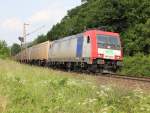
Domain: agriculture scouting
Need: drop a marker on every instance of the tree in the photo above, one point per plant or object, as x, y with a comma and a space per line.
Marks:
39, 39
4, 50
83, 1
138, 39
15, 49
127, 17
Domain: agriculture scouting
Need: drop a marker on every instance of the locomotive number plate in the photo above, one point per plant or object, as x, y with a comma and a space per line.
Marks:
109, 52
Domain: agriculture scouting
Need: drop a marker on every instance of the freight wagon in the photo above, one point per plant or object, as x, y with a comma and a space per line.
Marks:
37, 54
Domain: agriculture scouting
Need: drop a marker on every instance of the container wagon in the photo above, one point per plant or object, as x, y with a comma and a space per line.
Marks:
37, 54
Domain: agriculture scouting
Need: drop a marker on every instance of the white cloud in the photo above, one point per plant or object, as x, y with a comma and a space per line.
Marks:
40, 16
12, 24
51, 15
11, 27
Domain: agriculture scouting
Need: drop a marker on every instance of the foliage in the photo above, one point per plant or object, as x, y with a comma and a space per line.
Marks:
4, 50
40, 39
15, 49
138, 39
139, 65
128, 17
26, 89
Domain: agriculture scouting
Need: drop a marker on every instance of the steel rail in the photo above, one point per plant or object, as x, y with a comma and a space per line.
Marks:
127, 77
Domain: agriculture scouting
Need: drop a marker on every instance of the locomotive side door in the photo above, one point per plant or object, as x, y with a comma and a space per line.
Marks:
79, 49
87, 47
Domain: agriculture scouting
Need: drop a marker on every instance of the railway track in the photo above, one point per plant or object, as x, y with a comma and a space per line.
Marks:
127, 77
110, 75
113, 75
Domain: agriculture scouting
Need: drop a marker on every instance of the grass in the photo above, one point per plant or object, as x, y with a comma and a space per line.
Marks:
27, 89
138, 65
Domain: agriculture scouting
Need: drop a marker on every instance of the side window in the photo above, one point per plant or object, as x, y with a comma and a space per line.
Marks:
88, 39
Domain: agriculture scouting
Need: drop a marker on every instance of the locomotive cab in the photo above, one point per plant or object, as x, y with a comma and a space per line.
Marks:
109, 51
106, 50
109, 47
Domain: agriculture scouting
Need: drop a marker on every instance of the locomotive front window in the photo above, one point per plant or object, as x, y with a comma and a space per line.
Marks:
106, 40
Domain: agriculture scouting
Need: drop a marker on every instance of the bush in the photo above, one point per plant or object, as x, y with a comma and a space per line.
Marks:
4, 50
139, 65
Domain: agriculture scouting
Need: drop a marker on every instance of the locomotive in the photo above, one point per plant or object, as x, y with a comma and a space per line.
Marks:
93, 50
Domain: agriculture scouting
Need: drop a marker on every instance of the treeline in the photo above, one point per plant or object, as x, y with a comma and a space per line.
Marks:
139, 65
131, 18
4, 50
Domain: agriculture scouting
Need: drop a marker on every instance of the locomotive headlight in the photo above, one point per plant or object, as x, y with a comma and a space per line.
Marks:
117, 57
101, 55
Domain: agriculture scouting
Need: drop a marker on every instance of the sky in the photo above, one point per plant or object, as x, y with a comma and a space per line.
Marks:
36, 13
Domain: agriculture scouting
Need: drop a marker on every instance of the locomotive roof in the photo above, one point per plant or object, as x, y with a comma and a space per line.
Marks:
68, 37
86, 32
101, 32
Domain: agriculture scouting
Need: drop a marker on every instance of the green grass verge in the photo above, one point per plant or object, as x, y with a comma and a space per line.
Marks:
27, 89
138, 65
